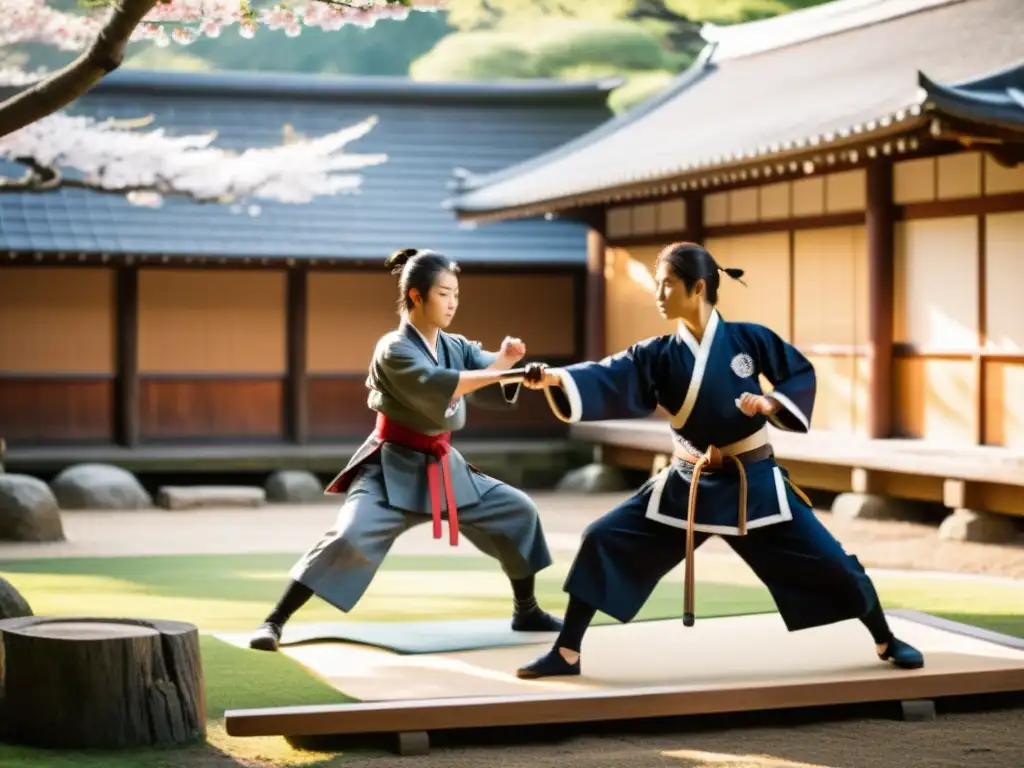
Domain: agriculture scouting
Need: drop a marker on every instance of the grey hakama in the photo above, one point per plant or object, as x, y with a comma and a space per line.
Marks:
387, 484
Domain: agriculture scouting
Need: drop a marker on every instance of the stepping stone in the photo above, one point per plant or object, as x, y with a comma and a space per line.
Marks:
200, 496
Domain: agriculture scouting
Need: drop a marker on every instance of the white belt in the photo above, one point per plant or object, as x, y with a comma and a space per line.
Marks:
748, 443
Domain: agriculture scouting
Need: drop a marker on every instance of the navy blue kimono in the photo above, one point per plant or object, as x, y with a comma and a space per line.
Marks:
624, 554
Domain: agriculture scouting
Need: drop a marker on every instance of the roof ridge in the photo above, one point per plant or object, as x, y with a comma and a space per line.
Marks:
301, 84
806, 24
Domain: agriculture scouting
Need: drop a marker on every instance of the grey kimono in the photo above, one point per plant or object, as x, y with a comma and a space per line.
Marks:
388, 485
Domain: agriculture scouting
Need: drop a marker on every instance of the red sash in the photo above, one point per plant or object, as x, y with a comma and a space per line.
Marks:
436, 446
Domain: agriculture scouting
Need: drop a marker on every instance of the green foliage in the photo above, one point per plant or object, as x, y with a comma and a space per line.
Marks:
736, 11
558, 48
639, 87
467, 15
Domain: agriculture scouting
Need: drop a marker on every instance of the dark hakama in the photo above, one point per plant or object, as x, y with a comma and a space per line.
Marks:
624, 554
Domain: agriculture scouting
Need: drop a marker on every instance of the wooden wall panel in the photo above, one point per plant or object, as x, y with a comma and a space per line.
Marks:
846, 192
539, 309
206, 408
629, 298
765, 298
1004, 278
935, 399
1001, 180
958, 175
337, 408
1004, 409
212, 321
836, 398
56, 320
347, 313
56, 410
936, 283
830, 286
914, 181
809, 196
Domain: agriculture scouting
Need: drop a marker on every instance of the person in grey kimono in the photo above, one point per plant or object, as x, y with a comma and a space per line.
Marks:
407, 472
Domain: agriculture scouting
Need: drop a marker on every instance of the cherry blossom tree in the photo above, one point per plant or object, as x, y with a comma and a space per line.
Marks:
58, 150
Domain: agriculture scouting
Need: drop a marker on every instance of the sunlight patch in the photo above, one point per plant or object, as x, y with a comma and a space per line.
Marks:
696, 757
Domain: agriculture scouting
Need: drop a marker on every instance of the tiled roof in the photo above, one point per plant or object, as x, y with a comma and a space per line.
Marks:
426, 129
806, 79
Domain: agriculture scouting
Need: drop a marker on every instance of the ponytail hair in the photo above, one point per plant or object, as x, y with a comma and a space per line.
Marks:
417, 268
691, 262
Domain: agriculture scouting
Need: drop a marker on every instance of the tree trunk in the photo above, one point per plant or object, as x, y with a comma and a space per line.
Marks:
85, 683
12, 604
66, 85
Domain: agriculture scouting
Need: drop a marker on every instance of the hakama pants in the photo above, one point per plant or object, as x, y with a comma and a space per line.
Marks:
504, 524
813, 581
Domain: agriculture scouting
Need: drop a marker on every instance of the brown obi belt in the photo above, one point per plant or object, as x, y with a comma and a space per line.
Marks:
731, 457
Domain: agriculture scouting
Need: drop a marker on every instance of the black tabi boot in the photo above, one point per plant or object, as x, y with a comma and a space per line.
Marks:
551, 664
902, 655
528, 616
267, 637
578, 616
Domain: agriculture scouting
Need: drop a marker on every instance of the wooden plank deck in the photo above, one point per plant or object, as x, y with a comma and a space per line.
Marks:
823, 667
979, 463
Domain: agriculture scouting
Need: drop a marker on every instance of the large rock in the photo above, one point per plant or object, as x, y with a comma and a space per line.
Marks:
28, 510
593, 478
870, 506
199, 496
99, 486
294, 486
982, 527
12, 604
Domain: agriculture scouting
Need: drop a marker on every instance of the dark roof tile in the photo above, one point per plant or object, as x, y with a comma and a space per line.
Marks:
427, 130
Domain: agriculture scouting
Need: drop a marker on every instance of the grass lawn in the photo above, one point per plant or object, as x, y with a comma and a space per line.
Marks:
231, 593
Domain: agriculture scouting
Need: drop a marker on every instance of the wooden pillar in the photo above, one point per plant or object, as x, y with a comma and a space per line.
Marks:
595, 309
695, 216
981, 427
297, 389
881, 269
126, 406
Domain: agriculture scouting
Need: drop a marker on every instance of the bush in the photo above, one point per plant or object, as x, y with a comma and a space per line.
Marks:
565, 46
639, 87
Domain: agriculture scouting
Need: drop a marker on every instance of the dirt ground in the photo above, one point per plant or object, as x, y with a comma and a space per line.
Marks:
991, 739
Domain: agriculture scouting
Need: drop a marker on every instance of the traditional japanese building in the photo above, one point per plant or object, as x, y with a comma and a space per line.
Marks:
196, 325
862, 161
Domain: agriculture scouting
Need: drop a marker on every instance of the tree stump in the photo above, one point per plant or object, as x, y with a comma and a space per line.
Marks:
12, 604
91, 683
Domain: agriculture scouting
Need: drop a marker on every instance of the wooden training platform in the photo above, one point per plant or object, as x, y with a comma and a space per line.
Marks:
644, 670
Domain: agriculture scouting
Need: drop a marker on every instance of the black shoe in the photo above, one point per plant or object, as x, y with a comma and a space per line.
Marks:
902, 655
551, 664
266, 638
535, 620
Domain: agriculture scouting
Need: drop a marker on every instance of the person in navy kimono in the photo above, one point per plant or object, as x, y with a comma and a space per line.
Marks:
407, 473
706, 376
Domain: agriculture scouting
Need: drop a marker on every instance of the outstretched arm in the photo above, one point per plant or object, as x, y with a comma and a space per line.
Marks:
621, 386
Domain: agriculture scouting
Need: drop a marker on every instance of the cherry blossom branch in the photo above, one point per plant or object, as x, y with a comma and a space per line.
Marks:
61, 88
62, 152
112, 26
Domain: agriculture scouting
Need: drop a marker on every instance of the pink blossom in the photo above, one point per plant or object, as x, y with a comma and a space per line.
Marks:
117, 156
